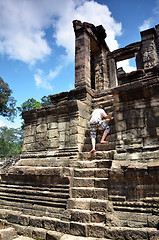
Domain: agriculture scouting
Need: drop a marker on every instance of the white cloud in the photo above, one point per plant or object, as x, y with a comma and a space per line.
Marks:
92, 12
24, 23
151, 21
43, 81
146, 24
125, 64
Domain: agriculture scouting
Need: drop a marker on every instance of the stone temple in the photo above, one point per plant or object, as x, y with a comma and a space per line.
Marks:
58, 189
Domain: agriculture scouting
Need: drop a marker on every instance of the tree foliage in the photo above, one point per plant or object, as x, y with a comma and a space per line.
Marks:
11, 140
32, 103
7, 102
45, 101
29, 104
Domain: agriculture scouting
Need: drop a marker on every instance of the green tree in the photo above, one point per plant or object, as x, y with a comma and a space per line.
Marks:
45, 101
7, 102
11, 140
29, 104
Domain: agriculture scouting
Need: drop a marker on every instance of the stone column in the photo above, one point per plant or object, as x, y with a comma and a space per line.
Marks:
112, 73
100, 68
82, 55
157, 41
148, 48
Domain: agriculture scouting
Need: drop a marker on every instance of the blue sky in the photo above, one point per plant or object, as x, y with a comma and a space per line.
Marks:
37, 40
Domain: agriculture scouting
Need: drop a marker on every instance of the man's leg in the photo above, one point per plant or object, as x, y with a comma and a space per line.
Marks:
93, 140
103, 137
93, 136
106, 131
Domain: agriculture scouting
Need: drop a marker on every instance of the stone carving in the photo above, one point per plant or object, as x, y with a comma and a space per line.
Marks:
148, 55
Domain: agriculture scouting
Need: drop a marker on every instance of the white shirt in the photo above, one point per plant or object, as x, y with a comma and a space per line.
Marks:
97, 115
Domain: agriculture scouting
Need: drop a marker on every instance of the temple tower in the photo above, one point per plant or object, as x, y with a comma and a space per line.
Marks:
91, 51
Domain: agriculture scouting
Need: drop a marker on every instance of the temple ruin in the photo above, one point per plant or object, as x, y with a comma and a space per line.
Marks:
58, 189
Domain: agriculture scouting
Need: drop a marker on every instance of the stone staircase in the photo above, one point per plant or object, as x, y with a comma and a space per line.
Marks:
83, 204
32, 199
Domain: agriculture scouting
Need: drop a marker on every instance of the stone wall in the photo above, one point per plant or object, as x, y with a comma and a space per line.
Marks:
53, 131
137, 121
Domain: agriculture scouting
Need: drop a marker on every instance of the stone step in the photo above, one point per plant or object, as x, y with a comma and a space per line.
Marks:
91, 204
14, 199
150, 199
57, 193
33, 209
87, 216
45, 187
136, 207
100, 147
138, 204
89, 172
117, 198
88, 164
116, 233
53, 198
23, 238
90, 182
39, 227
98, 155
83, 192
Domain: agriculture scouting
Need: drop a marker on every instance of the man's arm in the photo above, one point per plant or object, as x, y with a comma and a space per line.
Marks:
108, 117
90, 117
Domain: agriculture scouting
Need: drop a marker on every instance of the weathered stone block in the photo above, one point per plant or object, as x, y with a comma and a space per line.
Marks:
97, 217
153, 221
53, 133
62, 226
80, 216
83, 204
153, 235
99, 206
49, 223
29, 139
7, 233
78, 229
52, 125
24, 220
121, 126
62, 126
42, 128
39, 234
125, 233
83, 182
101, 183
36, 222
52, 235
95, 230
13, 217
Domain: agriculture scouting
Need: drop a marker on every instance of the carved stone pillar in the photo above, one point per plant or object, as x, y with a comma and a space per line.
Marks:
82, 55
90, 56
112, 73
148, 48
157, 41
